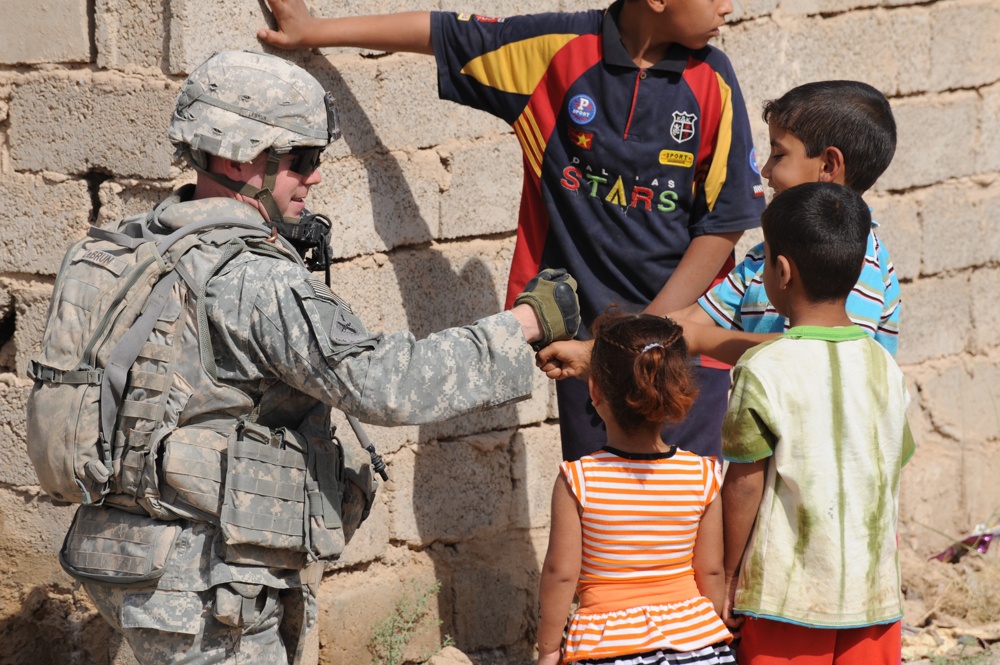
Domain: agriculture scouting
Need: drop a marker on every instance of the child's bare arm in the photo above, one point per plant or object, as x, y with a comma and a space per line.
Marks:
709, 573
561, 360
406, 31
742, 491
560, 572
721, 343
694, 274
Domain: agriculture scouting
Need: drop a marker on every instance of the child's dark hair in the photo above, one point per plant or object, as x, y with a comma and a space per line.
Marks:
823, 228
849, 115
639, 365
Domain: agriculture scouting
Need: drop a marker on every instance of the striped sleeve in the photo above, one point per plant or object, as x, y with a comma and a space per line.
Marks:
573, 473
888, 326
713, 479
724, 302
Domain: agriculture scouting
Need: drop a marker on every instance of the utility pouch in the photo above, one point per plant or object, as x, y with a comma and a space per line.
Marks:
283, 494
194, 466
265, 491
111, 546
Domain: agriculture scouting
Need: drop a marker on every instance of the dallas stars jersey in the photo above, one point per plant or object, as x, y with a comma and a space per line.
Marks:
622, 166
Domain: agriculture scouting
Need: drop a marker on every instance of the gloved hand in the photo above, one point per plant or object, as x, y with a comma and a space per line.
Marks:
552, 294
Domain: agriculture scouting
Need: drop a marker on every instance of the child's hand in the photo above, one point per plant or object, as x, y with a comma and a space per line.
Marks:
732, 621
294, 25
551, 658
561, 360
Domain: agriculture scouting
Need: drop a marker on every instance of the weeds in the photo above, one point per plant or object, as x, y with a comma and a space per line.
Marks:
391, 635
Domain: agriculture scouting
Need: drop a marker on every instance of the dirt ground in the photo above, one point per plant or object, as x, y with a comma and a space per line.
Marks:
952, 609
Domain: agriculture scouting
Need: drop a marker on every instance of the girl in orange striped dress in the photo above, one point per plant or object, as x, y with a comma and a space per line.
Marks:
636, 528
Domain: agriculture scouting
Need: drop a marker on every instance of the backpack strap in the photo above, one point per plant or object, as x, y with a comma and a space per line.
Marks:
121, 360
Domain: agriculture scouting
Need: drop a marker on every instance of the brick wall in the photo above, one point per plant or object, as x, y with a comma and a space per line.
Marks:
424, 197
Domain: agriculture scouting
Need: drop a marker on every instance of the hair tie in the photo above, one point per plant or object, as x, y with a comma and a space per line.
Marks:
652, 345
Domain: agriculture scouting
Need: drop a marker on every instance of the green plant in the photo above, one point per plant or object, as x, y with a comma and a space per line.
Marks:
391, 635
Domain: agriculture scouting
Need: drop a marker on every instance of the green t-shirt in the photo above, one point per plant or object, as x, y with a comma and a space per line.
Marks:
828, 407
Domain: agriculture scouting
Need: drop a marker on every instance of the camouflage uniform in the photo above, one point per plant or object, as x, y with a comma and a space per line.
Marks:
289, 348
251, 344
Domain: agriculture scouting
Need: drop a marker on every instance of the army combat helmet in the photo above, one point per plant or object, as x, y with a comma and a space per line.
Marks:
239, 104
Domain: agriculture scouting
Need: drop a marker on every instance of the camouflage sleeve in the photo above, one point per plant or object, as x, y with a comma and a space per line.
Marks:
310, 339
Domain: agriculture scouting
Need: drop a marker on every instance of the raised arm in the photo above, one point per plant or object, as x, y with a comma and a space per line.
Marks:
406, 31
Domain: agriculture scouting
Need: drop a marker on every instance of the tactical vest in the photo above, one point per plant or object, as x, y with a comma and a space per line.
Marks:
185, 445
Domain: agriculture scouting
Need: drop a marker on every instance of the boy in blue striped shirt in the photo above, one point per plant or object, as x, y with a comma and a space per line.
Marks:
827, 131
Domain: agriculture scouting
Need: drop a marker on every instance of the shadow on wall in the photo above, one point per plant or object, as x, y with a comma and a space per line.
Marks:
470, 515
57, 626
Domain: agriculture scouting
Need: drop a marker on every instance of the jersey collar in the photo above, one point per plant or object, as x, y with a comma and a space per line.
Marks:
615, 53
838, 334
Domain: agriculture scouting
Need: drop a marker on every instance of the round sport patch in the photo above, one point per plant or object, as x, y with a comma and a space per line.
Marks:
582, 109
753, 161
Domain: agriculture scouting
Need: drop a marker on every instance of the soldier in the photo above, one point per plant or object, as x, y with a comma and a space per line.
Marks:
249, 419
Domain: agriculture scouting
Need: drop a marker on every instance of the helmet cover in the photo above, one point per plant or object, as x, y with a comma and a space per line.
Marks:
238, 104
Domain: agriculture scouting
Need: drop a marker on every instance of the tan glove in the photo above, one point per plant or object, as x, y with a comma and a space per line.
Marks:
552, 294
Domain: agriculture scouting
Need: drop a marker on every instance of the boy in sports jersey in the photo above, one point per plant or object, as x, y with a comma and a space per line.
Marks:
639, 174
816, 435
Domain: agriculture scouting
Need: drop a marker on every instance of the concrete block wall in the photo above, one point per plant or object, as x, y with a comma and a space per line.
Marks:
423, 195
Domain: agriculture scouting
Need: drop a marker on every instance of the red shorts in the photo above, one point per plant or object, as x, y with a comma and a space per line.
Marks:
769, 642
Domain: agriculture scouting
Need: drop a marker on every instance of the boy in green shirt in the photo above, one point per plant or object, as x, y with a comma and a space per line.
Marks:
816, 434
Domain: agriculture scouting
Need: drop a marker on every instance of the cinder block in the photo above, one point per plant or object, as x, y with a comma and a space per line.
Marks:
198, 29
16, 469
936, 314
925, 155
409, 113
50, 212
747, 9
123, 198
900, 230
964, 57
353, 80
979, 472
535, 466
353, 604
31, 301
44, 31
749, 46
33, 534
427, 290
372, 537
930, 496
963, 401
483, 195
380, 202
810, 7
872, 48
74, 122
953, 215
988, 145
452, 490
493, 599
985, 285
129, 34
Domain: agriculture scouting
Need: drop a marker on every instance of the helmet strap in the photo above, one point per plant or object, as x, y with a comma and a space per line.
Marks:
263, 195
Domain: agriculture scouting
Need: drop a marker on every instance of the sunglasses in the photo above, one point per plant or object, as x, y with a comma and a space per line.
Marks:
305, 160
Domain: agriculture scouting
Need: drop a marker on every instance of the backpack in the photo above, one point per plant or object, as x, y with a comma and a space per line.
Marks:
109, 293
